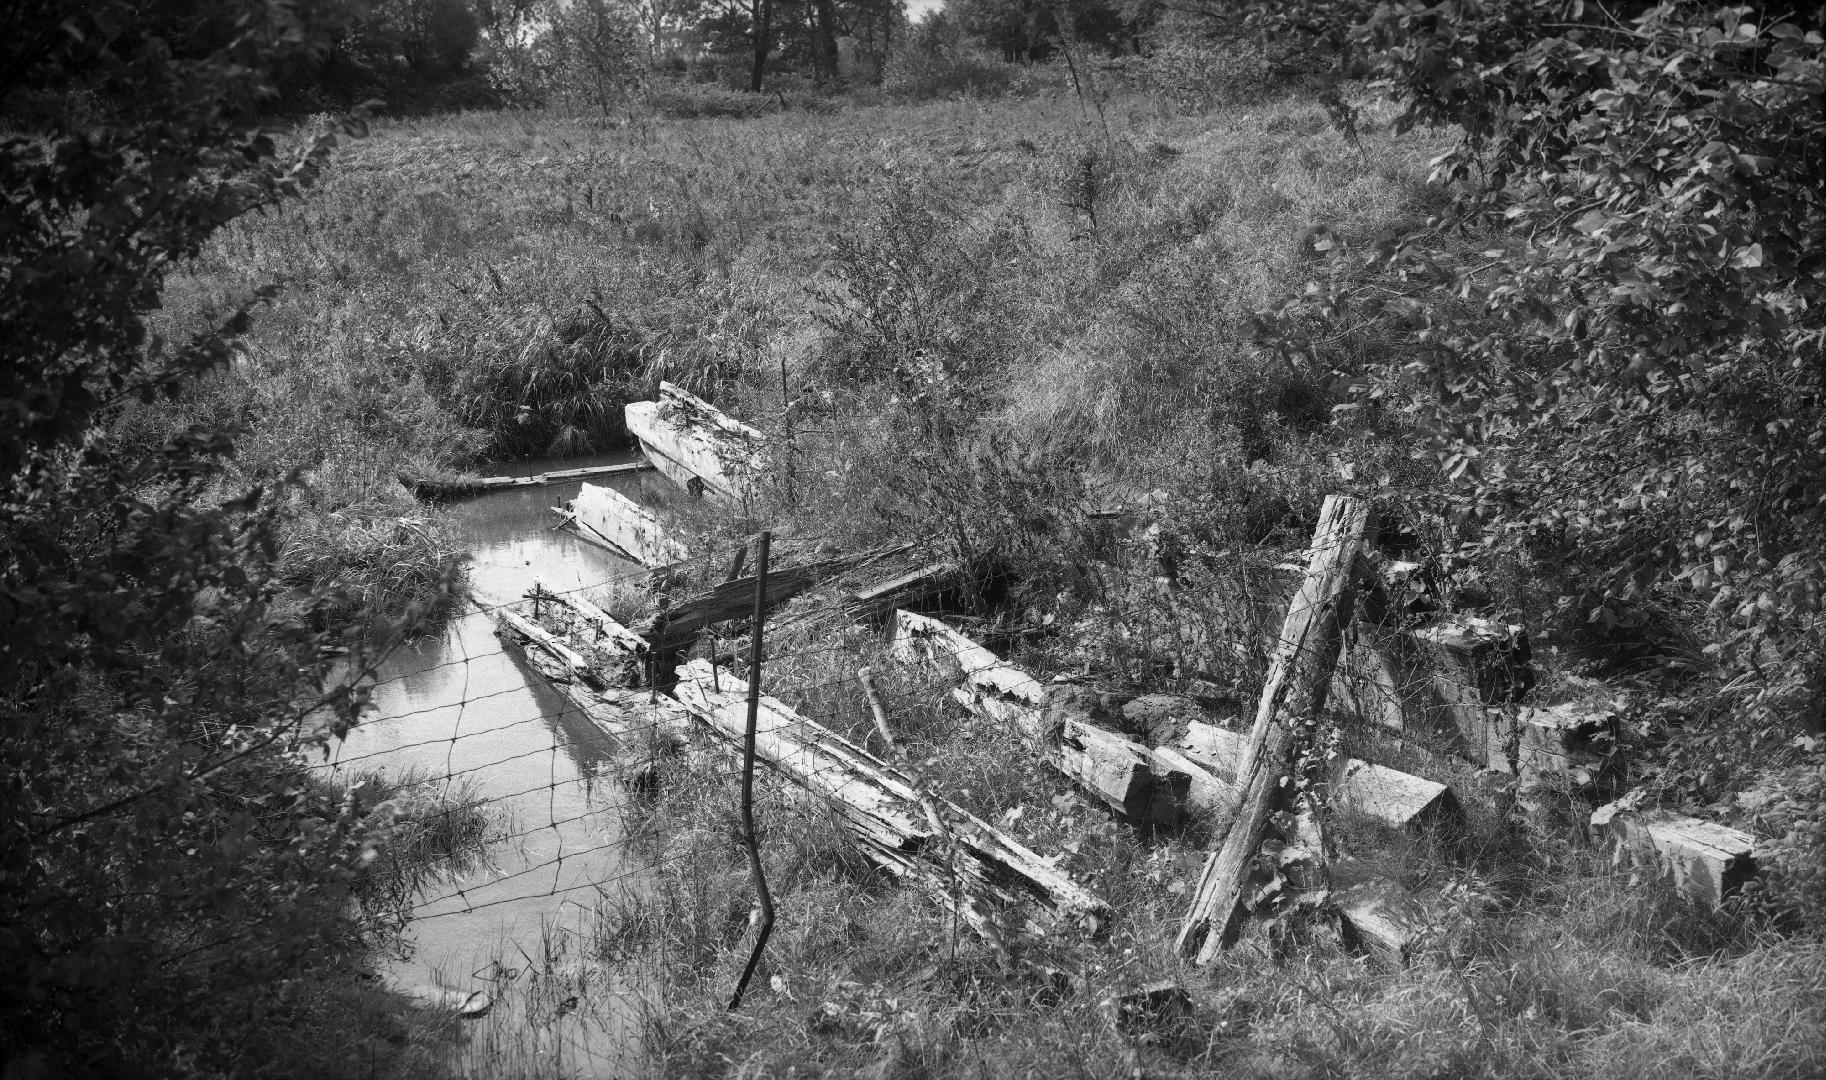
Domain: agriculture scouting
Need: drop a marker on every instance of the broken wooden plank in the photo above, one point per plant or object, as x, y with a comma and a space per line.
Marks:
914, 589
617, 655
1389, 797
1392, 798
1381, 917
1571, 748
1367, 686
1294, 695
1004, 694
990, 688
1145, 788
882, 809
1480, 667
645, 728
729, 600
1124, 774
562, 663
472, 485
1705, 861
608, 516
696, 445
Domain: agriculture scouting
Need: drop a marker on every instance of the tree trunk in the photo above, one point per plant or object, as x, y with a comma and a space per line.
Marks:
1291, 701
826, 39
763, 12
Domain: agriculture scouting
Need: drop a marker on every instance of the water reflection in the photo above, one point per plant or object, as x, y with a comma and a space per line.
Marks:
457, 708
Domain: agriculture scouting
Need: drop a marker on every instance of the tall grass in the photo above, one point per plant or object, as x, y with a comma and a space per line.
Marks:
979, 319
1537, 957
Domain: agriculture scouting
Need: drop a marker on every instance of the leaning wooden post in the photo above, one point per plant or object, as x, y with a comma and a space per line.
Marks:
1294, 694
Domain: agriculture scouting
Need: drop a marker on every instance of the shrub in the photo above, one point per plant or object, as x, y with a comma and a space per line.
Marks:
946, 71
1615, 327
164, 859
691, 100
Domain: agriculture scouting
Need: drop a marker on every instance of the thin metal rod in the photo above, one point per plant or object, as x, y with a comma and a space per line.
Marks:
765, 898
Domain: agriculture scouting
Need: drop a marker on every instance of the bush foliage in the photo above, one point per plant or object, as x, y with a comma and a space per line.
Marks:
1616, 336
164, 858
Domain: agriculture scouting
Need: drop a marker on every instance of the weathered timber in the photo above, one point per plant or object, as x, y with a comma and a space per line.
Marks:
554, 659
696, 445
1206, 791
881, 808
1393, 798
1706, 861
607, 516
472, 485
1386, 796
617, 655
646, 728
1380, 917
1125, 775
1367, 686
916, 588
681, 621
1571, 748
990, 688
1298, 678
1480, 667
1148, 786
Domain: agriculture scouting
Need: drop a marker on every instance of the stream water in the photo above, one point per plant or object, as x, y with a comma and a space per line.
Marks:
457, 708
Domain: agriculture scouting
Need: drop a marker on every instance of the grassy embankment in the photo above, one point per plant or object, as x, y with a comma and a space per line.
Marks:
989, 315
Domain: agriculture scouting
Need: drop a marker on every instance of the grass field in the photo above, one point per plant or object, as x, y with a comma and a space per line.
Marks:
972, 316
495, 285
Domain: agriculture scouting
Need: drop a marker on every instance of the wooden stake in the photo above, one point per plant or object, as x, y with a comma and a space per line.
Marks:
1292, 698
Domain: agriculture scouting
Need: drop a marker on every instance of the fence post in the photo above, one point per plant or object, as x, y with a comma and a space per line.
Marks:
748, 747
1291, 701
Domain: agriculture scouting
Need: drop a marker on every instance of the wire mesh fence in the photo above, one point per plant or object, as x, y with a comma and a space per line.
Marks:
574, 771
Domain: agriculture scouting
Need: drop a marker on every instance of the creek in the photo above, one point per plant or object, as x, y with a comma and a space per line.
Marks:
455, 708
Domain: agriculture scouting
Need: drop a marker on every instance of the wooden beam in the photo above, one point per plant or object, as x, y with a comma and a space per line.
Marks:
882, 810
604, 514
617, 655
989, 688
1124, 774
1573, 748
471, 485
1298, 678
1389, 797
1705, 861
1129, 778
735, 599
695, 444
1381, 917
645, 727
561, 662
915, 588
1479, 667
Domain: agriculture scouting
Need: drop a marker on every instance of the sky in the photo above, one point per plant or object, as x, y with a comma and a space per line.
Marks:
917, 9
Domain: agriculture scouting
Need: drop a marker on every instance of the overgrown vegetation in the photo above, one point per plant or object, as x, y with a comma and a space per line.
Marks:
1546, 292
169, 874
